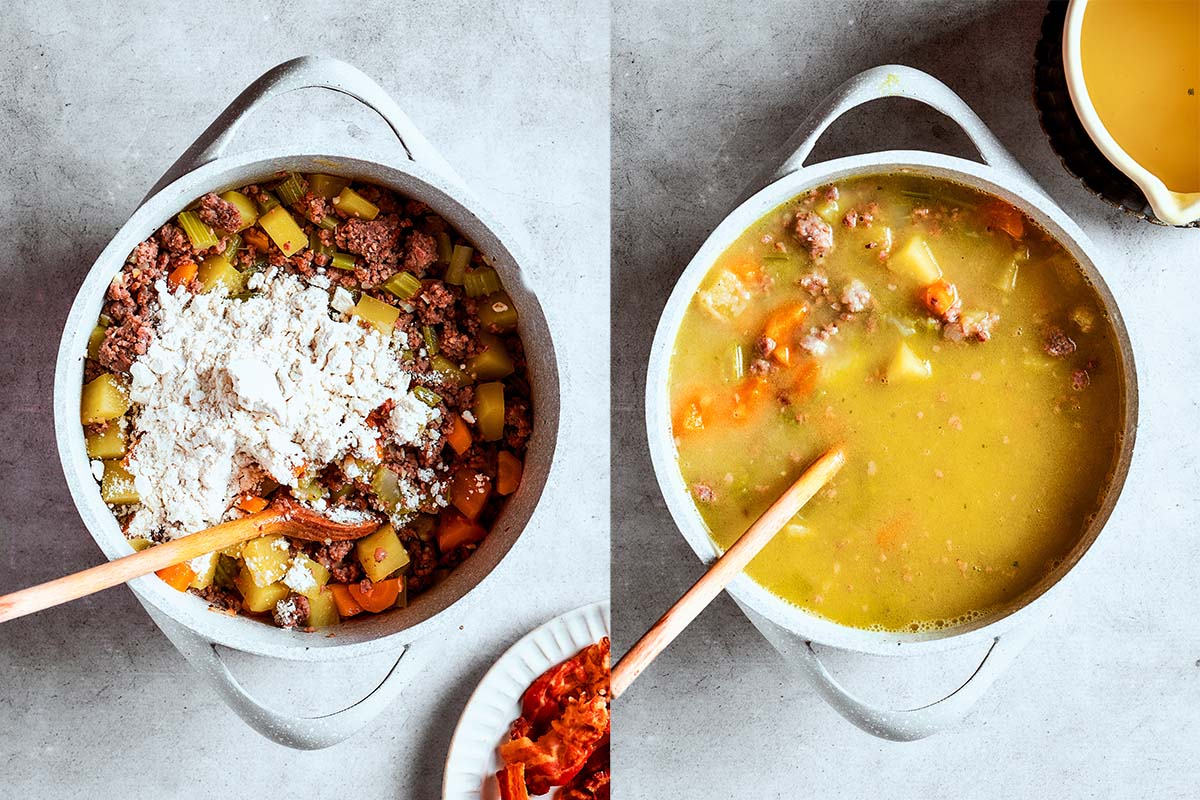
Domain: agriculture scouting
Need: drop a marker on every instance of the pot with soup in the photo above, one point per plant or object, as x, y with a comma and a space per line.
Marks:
943, 321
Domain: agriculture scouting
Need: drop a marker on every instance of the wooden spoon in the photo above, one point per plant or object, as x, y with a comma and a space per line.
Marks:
284, 516
723, 570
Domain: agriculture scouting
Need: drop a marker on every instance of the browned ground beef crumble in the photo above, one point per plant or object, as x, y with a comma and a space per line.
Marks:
401, 237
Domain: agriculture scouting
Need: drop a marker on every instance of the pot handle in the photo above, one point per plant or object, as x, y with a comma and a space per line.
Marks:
894, 80
307, 72
290, 730
918, 723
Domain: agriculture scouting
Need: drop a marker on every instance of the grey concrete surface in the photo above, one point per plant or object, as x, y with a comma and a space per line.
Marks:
1106, 701
97, 100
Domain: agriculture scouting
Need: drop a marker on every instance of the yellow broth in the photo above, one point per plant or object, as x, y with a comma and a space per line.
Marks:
974, 466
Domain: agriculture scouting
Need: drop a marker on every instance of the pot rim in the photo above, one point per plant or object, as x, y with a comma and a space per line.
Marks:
1014, 188
433, 608
1174, 208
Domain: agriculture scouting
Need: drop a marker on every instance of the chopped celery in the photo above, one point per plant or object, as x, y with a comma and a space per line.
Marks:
353, 204
95, 339
327, 186
328, 222
493, 363
404, 285
308, 490
116, 487
481, 282
320, 248
232, 245
386, 485
426, 396
109, 444
343, 261
432, 345
139, 544
489, 410
735, 363
200, 235
460, 258
283, 230
381, 553
444, 247
291, 190
267, 203
217, 271
376, 313
497, 313
448, 371
226, 571
103, 399
1006, 281
245, 207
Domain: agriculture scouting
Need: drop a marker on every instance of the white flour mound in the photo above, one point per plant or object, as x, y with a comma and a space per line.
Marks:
230, 389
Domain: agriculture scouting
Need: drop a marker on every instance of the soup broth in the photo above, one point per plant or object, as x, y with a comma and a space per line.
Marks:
952, 346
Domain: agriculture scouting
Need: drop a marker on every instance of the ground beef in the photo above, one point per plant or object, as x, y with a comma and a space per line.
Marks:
1057, 343
172, 239
1080, 380
421, 254
315, 208
220, 598
375, 240
764, 346
123, 343
218, 213
435, 303
338, 558
703, 492
856, 296
814, 233
517, 423
291, 611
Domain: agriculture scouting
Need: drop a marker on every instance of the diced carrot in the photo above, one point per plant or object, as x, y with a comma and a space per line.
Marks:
251, 503
689, 413
459, 435
177, 576
781, 328
941, 298
890, 534
455, 530
512, 782
182, 275
747, 397
804, 379
347, 606
380, 597
469, 491
749, 272
508, 472
1002, 216
257, 239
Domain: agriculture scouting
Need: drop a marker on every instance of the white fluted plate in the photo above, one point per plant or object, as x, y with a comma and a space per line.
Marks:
472, 762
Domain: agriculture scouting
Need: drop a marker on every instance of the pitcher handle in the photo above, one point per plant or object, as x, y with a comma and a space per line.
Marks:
307, 72
894, 80
291, 730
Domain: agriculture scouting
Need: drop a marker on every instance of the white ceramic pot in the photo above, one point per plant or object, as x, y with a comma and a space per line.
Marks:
789, 628
1173, 208
415, 170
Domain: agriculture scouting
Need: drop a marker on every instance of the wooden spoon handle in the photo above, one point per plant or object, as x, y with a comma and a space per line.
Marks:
724, 569
104, 576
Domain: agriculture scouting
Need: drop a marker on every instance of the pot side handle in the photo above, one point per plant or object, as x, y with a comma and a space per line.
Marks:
290, 730
307, 72
895, 80
918, 723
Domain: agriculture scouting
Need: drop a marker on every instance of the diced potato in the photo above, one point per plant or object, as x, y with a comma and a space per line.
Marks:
828, 211
205, 567
95, 339
139, 544
234, 550
378, 314
381, 553
216, 270
726, 298
489, 410
305, 576
322, 610
497, 313
267, 559
493, 363
1084, 318
283, 230
907, 365
259, 598
916, 260
109, 444
245, 207
116, 487
103, 399
354, 204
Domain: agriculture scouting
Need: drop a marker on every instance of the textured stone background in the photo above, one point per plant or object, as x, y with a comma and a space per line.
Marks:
1105, 703
96, 100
